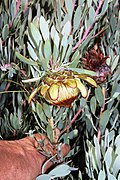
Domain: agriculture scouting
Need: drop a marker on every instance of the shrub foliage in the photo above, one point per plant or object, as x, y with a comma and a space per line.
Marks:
39, 37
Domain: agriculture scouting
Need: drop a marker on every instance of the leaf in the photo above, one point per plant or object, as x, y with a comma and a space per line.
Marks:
25, 60
97, 152
99, 96
47, 50
32, 52
31, 80
75, 59
93, 104
66, 29
69, 7
91, 15
55, 36
50, 133
104, 120
82, 102
115, 63
55, 53
40, 113
14, 121
116, 165
61, 171
35, 33
117, 141
64, 41
5, 32
44, 28
83, 71
108, 156
47, 110
102, 175
43, 61
44, 177
86, 41
59, 12
73, 134
104, 9
77, 18
111, 177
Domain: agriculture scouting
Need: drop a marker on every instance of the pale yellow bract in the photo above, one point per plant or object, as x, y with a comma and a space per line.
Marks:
63, 87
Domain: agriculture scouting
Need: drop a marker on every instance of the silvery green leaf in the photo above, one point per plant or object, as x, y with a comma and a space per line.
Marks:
77, 18
104, 120
31, 80
44, 28
55, 53
25, 60
66, 29
35, 33
59, 12
97, 152
83, 71
63, 53
89, 3
47, 110
42, 60
13, 9
69, 7
108, 156
106, 140
91, 15
111, 177
68, 53
116, 165
49, 130
115, 63
93, 105
75, 59
47, 50
116, 92
30, 38
32, 52
80, 175
82, 102
73, 134
117, 150
14, 121
61, 171
86, 41
99, 95
64, 41
117, 141
102, 175
55, 36
40, 112
44, 177
104, 9
5, 32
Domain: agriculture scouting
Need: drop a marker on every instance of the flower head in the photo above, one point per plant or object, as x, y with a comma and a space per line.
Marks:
61, 88
96, 61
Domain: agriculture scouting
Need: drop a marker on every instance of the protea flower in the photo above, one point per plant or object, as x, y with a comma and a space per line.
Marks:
61, 88
96, 61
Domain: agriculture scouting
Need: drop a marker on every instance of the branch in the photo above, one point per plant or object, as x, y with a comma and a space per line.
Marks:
89, 28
